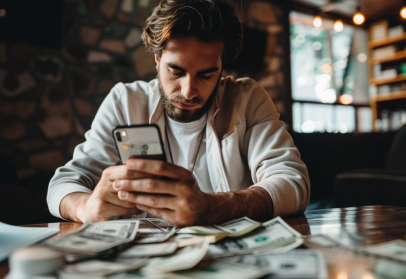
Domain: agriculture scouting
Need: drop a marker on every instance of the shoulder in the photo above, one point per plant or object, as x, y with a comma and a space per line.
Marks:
136, 89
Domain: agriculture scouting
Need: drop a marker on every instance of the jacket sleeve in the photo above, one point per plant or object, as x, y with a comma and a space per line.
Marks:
90, 158
273, 158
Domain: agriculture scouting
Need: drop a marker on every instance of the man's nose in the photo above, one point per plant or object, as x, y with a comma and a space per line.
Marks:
189, 87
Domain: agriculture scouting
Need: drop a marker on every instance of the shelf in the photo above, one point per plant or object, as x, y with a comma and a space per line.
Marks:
385, 80
395, 57
390, 96
387, 41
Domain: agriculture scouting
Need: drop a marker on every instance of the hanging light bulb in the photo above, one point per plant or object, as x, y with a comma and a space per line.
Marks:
317, 22
358, 18
338, 25
403, 10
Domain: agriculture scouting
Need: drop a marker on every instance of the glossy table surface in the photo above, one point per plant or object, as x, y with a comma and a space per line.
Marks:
353, 226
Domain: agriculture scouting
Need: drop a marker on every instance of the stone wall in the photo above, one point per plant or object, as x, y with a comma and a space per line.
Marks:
48, 97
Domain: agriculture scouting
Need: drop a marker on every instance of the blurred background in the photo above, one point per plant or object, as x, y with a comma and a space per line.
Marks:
335, 70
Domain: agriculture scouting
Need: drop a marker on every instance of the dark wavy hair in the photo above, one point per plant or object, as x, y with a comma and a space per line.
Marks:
205, 20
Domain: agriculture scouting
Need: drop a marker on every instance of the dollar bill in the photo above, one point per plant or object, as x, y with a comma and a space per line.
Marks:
184, 239
101, 268
93, 238
233, 228
273, 234
393, 249
320, 241
221, 270
301, 264
153, 235
185, 258
150, 250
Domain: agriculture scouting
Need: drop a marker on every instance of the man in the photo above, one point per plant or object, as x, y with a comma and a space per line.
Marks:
229, 155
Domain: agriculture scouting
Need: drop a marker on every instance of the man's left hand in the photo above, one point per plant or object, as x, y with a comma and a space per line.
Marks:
173, 196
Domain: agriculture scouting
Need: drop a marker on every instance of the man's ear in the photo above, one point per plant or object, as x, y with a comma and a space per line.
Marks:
156, 61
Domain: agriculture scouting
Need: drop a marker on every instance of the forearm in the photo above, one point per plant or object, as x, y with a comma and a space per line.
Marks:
72, 204
254, 203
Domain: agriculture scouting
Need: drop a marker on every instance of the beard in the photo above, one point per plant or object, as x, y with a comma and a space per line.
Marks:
185, 115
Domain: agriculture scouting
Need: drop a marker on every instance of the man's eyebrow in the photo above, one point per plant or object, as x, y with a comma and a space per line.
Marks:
202, 72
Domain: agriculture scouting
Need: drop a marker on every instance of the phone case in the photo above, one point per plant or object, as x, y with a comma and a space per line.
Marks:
139, 141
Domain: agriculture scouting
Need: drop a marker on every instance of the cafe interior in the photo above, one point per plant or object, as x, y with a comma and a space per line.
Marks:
335, 70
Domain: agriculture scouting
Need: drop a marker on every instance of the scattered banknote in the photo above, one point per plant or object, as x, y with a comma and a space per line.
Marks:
393, 249
221, 270
154, 223
233, 228
185, 258
390, 269
93, 238
100, 268
271, 235
153, 235
185, 239
301, 264
150, 250
322, 241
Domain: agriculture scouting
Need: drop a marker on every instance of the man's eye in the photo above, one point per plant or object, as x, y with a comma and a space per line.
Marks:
175, 72
207, 76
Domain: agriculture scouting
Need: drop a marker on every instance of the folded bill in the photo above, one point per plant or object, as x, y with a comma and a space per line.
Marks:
153, 235
233, 228
99, 268
150, 250
395, 250
185, 258
221, 270
300, 264
273, 234
93, 238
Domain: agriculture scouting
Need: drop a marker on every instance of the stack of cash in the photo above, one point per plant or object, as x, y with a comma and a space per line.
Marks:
240, 249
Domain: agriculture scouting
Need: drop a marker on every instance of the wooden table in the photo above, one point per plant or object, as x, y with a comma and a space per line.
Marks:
352, 226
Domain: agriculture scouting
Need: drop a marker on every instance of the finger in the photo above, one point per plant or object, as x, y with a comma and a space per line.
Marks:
117, 172
166, 214
112, 198
155, 201
159, 168
151, 185
111, 210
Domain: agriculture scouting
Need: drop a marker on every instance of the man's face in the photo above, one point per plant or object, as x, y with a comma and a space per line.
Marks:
188, 73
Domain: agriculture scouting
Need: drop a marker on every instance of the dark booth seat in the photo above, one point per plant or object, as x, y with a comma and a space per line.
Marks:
375, 186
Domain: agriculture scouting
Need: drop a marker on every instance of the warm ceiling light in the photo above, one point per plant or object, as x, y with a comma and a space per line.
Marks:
317, 22
2, 12
358, 18
338, 25
403, 12
346, 99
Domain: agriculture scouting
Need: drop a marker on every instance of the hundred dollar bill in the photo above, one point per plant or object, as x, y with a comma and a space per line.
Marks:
95, 268
150, 250
93, 238
221, 270
153, 235
273, 234
233, 228
300, 264
320, 241
185, 258
395, 250
184, 239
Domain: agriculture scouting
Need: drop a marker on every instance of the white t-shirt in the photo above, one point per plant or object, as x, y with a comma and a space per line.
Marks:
184, 140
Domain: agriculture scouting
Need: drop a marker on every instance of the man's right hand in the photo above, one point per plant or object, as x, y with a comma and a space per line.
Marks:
103, 203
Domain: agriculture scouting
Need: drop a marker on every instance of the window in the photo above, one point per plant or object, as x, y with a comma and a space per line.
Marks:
329, 77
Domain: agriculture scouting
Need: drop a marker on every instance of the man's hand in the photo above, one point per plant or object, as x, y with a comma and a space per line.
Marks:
103, 203
169, 192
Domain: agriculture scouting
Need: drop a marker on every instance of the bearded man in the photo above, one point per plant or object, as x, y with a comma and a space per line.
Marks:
228, 153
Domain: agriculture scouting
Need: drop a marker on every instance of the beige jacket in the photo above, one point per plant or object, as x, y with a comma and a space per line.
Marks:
246, 144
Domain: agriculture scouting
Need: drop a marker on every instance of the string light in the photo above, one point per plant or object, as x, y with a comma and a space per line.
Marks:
338, 25
346, 99
403, 10
317, 22
358, 18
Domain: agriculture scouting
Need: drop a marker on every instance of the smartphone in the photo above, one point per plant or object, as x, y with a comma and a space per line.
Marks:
139, 141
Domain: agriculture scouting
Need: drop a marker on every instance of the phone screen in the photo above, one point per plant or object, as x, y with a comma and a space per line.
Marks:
139, 141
